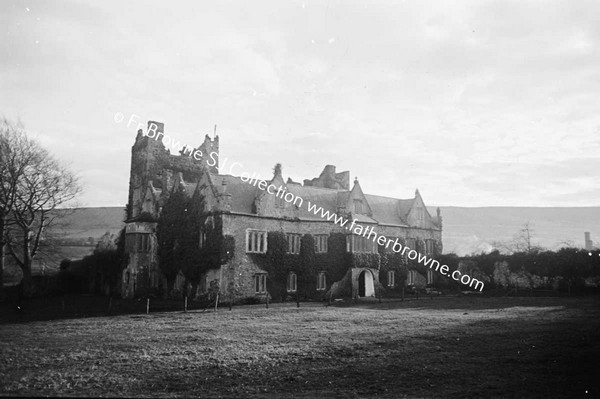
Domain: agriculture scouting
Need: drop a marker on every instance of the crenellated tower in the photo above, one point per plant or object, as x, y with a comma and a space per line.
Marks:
153, 166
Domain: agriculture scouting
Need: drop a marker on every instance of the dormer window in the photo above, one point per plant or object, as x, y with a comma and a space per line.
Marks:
279, 202
358, 206
148, 206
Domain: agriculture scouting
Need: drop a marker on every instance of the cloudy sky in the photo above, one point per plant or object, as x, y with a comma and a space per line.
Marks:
476, 103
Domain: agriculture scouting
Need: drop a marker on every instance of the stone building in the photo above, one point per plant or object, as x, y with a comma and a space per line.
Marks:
277, 247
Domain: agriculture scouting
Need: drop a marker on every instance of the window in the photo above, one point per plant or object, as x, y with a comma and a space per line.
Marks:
260, 283
388, 248
293, 243
321, 282
420, 212
391, 278
202, 239
137, 242
321, 243
358, 206
292, 282
256, 241
143, 242
411, 243
411, 277
429, 247
429, 277
356, 243
279, 202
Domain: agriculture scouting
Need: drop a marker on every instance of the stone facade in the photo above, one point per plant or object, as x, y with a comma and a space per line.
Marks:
340, 263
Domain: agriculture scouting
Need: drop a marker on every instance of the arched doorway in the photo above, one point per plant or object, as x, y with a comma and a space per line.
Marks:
365, 284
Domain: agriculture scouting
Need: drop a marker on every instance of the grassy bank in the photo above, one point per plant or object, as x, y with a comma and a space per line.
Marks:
449, 347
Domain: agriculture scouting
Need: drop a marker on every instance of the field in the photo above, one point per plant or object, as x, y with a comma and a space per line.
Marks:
442, 347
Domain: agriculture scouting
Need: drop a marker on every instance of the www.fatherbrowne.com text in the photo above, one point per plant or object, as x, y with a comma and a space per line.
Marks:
281, 192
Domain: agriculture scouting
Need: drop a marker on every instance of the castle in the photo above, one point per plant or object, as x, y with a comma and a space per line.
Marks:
262, 245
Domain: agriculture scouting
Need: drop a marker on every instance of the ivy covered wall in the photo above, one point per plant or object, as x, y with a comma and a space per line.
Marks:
180, 247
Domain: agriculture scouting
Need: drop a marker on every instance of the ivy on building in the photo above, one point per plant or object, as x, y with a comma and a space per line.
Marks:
183, 219
307, 264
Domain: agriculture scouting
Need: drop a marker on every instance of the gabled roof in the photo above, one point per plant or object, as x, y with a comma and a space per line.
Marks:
385, 210
389, 210
242, 193
357, 194
326, 198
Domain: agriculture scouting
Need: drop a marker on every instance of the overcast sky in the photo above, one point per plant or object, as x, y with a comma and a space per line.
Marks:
476, 103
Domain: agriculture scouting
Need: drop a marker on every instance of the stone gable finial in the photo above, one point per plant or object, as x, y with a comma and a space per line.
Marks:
277, 169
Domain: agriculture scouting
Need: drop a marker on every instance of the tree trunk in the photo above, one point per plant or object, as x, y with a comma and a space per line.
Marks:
2, 253
26, 266
194, 290
26, 284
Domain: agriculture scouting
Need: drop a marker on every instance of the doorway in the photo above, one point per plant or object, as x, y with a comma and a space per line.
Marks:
365, 284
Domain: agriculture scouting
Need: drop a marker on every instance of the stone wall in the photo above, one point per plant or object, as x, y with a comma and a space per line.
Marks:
142, 272
242, 268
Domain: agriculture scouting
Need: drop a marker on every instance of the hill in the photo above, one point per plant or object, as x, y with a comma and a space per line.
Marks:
467, 230
84, 223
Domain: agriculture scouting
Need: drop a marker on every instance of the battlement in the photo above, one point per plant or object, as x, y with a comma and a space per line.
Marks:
153, 163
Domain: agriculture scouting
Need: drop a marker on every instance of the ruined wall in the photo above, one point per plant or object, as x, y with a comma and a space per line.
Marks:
330, 179
142, 272
152, 162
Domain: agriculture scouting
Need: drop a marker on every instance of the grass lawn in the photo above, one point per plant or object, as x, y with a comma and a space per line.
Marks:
442, 347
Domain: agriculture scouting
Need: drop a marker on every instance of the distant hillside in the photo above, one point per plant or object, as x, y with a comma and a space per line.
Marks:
466, 230
93, 222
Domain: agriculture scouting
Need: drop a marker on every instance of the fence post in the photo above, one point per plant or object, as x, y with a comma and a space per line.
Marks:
267, 299
217, 302
402, 294
185, 305
148, 305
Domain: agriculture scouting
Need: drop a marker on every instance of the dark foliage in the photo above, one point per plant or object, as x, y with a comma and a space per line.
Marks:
307, 264
181, 223
99, 273
569, 266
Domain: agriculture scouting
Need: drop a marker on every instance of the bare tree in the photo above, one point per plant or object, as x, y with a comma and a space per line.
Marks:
522, 241
34, 188
16, 152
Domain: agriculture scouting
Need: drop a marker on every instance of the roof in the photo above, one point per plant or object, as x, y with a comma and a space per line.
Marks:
385, 210
389, 210
326, 198
242, 193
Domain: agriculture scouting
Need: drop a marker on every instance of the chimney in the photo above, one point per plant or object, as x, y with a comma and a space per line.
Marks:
588, 241
224, 198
